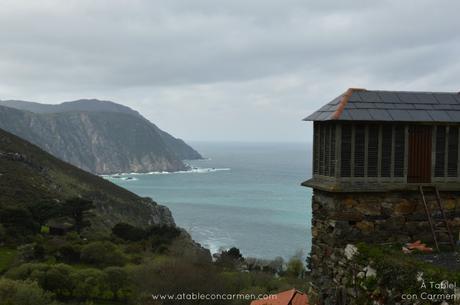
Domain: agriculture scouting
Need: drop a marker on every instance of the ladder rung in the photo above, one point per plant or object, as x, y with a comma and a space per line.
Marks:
435, 213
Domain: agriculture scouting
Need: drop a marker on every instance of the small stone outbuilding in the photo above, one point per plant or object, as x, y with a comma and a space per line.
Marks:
382, 162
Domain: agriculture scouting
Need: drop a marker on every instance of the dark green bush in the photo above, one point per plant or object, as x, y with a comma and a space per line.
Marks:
53, 278
128, 232
102, 254
18, 222
23, 293
69, 253
230, 258
117, 281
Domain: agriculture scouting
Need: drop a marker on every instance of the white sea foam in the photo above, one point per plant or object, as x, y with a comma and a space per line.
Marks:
217, 245
201, 170
120, 176
214, 239
193, 170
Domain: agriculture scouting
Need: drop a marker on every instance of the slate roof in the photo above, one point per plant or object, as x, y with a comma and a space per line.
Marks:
398, 106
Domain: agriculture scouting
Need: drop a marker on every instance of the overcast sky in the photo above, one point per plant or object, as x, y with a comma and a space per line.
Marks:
225, 70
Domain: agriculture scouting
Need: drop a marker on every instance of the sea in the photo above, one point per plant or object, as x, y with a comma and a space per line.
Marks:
244, 195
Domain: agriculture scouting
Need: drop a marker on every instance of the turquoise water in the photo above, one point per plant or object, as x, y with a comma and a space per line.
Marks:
243, 195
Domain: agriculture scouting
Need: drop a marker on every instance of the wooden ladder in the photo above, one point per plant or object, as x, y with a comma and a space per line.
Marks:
440, 226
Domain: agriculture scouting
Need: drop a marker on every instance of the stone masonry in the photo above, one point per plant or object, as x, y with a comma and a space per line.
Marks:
349, 218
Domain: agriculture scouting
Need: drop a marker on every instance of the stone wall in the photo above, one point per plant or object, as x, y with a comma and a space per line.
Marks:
377, 218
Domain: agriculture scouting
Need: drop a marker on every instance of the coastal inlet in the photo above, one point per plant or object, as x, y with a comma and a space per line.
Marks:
243, 195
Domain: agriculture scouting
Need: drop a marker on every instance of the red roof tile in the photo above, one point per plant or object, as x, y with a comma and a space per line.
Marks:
288, 297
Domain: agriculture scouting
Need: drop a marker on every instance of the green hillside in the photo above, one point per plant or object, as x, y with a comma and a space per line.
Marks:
29, 175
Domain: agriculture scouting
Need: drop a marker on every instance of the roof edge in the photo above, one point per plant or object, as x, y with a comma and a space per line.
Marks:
344, 101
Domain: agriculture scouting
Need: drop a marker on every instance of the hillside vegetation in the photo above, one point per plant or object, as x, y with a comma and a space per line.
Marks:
68, 237
29, 175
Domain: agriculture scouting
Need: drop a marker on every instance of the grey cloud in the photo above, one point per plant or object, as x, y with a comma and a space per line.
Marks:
254, 62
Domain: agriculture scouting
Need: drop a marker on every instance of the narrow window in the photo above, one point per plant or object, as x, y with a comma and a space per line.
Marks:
373, 151
440, 151
326, 149
400, 141
452, 154
360, 138
387, 141
316, 131
321, 150
345, 154
332, 150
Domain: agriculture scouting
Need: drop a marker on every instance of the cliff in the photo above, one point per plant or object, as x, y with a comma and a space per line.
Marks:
98, 136
29, 175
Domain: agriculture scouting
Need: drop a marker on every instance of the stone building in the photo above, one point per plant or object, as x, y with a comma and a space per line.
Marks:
386, 169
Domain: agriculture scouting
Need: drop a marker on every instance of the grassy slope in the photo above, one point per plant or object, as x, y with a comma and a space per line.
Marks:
34, 175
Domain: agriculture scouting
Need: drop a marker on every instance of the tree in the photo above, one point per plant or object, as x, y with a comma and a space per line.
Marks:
117, 279
277, 264
234, 253
295, 267
78, 209
56, 278
69, 253
128, 232
160, 236
44, 210
230, 258
17, 221
89, 283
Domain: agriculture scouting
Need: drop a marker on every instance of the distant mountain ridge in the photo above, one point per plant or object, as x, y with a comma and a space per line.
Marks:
98, 136
91, 105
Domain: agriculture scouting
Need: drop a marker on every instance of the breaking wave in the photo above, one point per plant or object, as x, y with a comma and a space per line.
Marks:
193, 170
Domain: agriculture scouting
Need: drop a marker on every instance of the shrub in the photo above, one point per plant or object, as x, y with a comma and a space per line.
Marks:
3, 234
56, 279
173, 276
103, 254
23, 293
18, 222
117, 281
128, 232
39, 251
161, 236
53, 278
88, 284
24, 271
69, 253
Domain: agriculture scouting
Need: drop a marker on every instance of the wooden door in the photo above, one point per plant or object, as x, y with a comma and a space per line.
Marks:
419, 170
